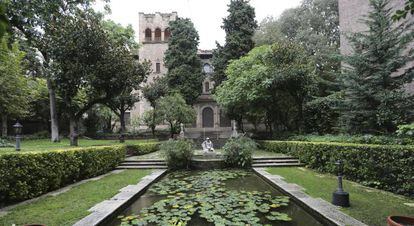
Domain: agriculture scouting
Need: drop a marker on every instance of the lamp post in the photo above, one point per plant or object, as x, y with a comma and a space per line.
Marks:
340, 197
18, 131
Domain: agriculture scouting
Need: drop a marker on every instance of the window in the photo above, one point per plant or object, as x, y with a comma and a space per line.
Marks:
148, 35
207, 68
157, 35
167, 34
207, 87
157, 67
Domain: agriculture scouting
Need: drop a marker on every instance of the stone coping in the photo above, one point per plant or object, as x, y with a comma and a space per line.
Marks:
316, 206
103, 210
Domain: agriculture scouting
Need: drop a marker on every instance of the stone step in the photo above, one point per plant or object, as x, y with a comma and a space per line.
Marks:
276, 157
143, 163
144, 160
276, 161
142, 167
277, 164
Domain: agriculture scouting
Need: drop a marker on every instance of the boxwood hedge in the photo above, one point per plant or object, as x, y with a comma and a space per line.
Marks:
30, 174
388, 167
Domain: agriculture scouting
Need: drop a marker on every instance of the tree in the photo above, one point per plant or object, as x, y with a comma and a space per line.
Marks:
184, 66
375, 75
151, 119
133, 72
85, 62
402, 13
13, 83
155, 90
35, 20
239, 26
282, 80
174, 110
4, 23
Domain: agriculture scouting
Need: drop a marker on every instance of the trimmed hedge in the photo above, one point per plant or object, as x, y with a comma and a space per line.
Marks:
28, 175
143, 148
387, 167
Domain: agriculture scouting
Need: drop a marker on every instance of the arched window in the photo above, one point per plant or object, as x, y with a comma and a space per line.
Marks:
148, 35
208, 117
157, 35
167, 34
207, 68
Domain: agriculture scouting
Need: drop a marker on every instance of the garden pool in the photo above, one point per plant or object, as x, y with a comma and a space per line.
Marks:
213, 197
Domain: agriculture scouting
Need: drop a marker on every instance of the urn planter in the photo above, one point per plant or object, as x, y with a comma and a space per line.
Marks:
400, 221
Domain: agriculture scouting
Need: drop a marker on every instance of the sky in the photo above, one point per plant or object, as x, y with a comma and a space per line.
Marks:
207, 15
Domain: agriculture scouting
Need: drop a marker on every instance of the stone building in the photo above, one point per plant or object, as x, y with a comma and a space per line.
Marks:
153, 39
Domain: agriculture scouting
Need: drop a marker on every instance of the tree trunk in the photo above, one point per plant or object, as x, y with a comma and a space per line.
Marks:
153, 131
122, 121
73, 129
171, 130
4, 125
54, 124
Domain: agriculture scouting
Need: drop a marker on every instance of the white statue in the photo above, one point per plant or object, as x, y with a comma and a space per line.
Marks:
207, 145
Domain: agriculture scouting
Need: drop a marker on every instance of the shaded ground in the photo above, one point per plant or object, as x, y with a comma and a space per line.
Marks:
69, 207
371, 206
46, 144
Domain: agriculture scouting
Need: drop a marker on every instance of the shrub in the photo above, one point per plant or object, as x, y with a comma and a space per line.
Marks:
406, 130
5, 143
28, 175
238, 152
360, 139
388, 167
142, 149
178, 153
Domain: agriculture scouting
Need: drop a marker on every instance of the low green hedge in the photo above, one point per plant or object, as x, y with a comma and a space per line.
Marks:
388, 167
27, 175
143, 148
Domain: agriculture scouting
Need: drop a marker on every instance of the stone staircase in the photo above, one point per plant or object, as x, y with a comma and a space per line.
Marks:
143, 164
280, 161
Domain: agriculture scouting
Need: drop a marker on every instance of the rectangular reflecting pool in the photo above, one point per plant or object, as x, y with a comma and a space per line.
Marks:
213, 197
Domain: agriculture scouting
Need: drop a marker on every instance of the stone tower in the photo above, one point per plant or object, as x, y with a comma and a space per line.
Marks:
154, 33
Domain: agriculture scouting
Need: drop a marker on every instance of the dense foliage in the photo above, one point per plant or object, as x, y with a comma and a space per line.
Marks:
239, 26
375, 99
387, 167
238, 152
282, 80
178, 153
142, 149
181, 59
28, 175
406, 130
174, 110
315, 26
359, 139
205, 195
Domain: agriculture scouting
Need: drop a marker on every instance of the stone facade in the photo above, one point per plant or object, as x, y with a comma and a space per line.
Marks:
153, 39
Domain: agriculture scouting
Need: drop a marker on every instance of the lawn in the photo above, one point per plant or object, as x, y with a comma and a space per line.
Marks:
46, 144
71, 206
368, 205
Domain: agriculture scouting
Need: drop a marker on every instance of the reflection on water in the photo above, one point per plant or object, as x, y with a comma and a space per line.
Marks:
251, 182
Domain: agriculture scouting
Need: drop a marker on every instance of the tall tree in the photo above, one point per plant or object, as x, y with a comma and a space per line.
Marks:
35, 20
239, 26
133, 71
85, 62
173, 110
14, 89
281, 80
181, 59
375, 75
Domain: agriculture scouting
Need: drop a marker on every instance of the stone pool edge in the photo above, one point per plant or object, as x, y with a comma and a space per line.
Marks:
318, 206
104, 210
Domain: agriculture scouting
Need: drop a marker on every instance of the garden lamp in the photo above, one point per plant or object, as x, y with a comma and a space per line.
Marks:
18, 131
340, 197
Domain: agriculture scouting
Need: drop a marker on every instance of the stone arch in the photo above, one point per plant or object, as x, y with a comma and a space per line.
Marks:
167, 34
157, 35
148, 35
207, 117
